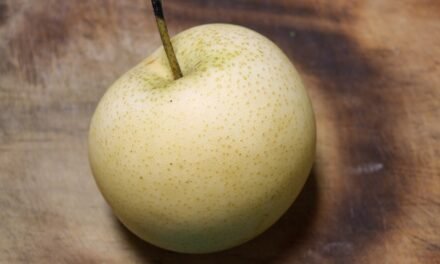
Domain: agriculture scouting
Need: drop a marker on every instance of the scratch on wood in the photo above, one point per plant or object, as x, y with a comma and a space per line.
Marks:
368, 168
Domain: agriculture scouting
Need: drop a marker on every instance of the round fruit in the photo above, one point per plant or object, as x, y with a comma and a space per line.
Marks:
210, 160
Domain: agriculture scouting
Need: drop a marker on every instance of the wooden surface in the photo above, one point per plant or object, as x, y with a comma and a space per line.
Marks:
371, 67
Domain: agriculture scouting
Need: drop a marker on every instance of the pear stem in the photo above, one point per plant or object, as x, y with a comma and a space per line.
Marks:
165, 37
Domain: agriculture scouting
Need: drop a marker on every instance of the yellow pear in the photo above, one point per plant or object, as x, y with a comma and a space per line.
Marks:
210, 160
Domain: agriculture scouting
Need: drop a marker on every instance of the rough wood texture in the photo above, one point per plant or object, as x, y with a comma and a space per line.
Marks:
372, 69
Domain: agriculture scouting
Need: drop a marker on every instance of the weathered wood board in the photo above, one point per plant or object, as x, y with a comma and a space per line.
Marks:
372, 69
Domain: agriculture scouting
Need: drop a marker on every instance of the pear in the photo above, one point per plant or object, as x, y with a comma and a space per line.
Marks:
210, 160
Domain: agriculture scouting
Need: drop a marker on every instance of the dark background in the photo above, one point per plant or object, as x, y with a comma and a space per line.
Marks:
371, 68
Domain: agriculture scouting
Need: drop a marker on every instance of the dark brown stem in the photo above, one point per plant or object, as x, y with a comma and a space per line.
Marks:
165, 37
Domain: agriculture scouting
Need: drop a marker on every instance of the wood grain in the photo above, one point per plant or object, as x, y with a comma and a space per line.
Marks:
372, 69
